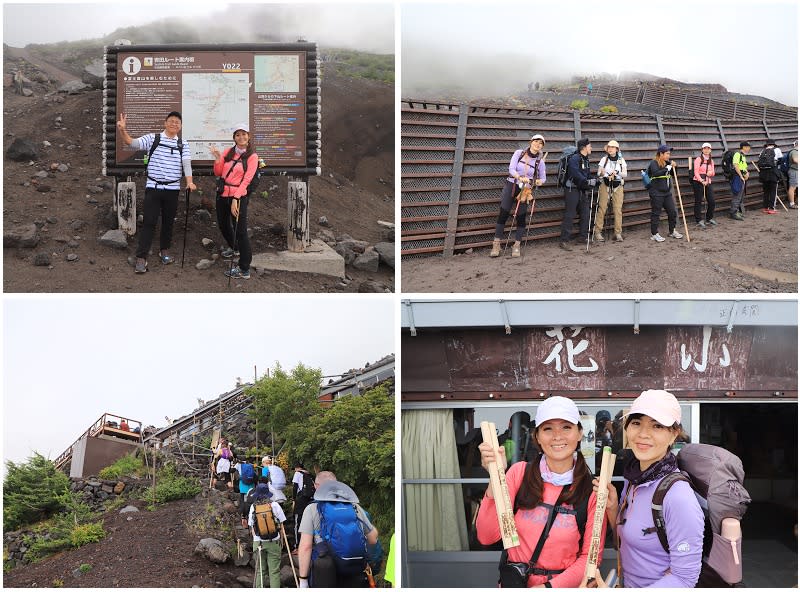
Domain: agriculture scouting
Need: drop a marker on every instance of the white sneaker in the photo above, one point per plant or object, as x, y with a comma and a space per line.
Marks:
676, 234
658, 238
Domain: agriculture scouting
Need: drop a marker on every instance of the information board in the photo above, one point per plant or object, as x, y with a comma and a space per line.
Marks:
273, 88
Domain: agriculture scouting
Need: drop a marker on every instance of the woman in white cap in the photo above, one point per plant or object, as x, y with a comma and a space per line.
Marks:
651, 426
553, 502
612, 170
526, 169
703, 170
235, 170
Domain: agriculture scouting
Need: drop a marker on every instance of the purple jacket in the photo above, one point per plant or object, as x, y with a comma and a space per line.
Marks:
644, 562
515, 166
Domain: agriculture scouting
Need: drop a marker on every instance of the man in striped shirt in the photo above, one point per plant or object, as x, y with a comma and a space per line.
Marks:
165, 168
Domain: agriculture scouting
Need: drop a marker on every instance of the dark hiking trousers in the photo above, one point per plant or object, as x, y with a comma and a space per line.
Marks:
227, 223
658, 202
698, 202
508, 203
157, 202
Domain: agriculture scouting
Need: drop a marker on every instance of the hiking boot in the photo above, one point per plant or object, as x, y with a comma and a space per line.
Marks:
165, 258
565, 246
598, 236
658, 238
701, 224
675, 234
227, 253
141, 265
792, 206
618, 237
495, 248
712, 222
772, 211
515, 250
238, 273
737, 216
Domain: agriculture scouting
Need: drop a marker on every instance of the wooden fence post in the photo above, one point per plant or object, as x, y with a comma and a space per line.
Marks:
455, 182
298, 228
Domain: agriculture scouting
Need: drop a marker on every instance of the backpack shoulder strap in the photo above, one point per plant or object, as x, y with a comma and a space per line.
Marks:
581, 515
156, 142
657, 507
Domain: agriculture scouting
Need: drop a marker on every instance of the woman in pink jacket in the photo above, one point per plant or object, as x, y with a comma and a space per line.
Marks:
235, 170
552, 497
701, 184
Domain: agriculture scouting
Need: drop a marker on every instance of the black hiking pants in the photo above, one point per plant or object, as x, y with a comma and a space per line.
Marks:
508, 203
698, 202
576, 201
227, 223
770, 187
658, 202
157, 202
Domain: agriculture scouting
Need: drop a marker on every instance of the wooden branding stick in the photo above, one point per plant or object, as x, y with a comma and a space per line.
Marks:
606, 469
502, 499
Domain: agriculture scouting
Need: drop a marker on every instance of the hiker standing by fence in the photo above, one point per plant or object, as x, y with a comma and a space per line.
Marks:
739, 181
652, 426
558, 479
265, 518
792, 192
579, 180
235, 171
612, 170
768, 175
526, 168
660, 190
170, 160
703, 191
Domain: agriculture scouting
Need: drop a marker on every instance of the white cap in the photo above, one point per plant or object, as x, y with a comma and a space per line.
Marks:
557, 408
538, 137
660, 405
241, 126
706, 145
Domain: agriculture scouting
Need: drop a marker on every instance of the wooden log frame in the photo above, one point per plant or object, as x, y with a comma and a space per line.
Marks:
606, 468
502, 499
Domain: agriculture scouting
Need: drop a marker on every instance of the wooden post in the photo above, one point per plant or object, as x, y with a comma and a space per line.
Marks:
606, 468
125, 206
298, 228
502, 499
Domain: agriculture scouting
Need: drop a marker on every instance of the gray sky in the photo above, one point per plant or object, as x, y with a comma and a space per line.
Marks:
499, 48
67, 360
365, 26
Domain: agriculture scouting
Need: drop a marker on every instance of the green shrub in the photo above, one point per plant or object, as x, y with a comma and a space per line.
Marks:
58, 583
31, 491
72, 528
83, 534
609, 109
85, 568
170, 486
579, 104
128, 465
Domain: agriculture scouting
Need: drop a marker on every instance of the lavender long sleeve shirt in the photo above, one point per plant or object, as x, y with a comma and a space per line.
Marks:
645, 564
520, 168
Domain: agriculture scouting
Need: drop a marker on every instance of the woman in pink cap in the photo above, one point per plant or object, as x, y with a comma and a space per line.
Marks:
703, 191
651, 427
553, 502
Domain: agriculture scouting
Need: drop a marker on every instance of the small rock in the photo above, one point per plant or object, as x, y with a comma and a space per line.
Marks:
72, 87
73, 244
214, 256
43, 189
212, 549
22, 150
117, 239
208, 243
386, 252
245, 581
26, 236
127, 509
63, 168
369, 260
26, 92
119, 487
41, 174
204, 264
323, 221
42, 259
77, 225
370, 286
46, 144
59, 119
203, 216
52, 220
72, 257
469, 251
327, 237
94, 189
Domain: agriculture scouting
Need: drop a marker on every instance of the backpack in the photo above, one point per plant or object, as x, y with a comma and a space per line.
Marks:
646, 179
265, 524
716, 475
766, 160
247, 474
342, 533
306, 492
155, 145
561, 179
784, 163
254, 182
226, 453
727, 164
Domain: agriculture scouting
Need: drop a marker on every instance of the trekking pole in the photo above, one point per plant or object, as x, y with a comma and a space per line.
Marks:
235, 233
606, 468
533, 201
680, 201
777, 197
591, 230
291, 561
185, 226
513, 227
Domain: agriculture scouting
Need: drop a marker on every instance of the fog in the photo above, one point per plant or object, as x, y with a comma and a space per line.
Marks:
485, 49
366, 27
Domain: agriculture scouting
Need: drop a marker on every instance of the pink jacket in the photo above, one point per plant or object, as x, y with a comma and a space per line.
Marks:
237, 181
703, 169
560, 550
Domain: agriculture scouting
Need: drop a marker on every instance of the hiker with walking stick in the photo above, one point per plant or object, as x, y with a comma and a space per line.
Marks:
235, 170
167, 159
612, 171
660, 190
579, 179
703, 170
525, 171
266, 519
738, 180
767, 167
551, 501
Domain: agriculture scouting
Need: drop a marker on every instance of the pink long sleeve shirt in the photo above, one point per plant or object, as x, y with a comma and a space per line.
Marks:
560, 550
237, 181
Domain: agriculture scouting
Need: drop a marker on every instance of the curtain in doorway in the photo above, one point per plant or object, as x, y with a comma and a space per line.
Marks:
434, 514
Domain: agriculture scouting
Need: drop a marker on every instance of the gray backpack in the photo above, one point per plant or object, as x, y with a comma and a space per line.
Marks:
716, 476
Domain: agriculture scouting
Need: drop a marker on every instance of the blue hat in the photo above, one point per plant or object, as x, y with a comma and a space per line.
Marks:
664, 148
262, 491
